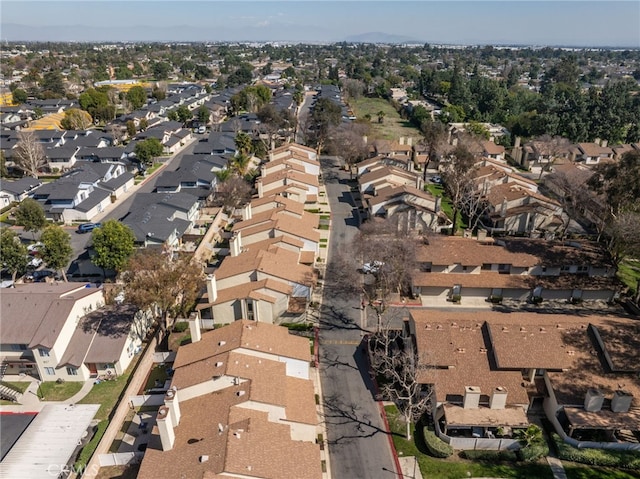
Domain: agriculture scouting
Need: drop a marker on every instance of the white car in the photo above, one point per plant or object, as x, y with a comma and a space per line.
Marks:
34, 262
436, 179
372, 267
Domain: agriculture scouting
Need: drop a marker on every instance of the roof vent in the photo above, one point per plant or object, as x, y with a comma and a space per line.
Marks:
220, 427
439, 326
204, 458
523, 329
543, 330
240, 393
222, 343
505, 329
219, 363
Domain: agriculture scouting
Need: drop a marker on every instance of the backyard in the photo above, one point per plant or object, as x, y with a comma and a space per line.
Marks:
392, 126
455, 467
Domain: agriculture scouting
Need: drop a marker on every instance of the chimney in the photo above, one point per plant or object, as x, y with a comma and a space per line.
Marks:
409, 141
438, 205
419, 182
503, 208
365, 139
171, 401
401, 141
235, 244
593, 400
482, 234
260, 188
212, 290
498, 398
604, 143
621, 401
195, 327
165, 427
471, 397
247, 213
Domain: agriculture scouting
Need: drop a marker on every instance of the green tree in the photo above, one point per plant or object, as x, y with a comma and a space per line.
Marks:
30, 215
159, 94
184, 114
92, 100
76, 119
202, 72
161, 70
529, 436
381, 114
147, 150
137, 97
13, 252
131, 128
4, 173
53, 83
326, 115
113, 243
19, 96
203, 114
57, 248
243, 143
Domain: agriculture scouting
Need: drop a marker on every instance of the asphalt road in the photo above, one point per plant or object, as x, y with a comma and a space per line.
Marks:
357, 441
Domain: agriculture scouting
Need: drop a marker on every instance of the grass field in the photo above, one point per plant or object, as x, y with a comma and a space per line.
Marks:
629, 273
392, 127
580, 471
21, 386
456, 468
53, 391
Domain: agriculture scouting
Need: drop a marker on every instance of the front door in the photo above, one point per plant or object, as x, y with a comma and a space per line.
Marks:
93, 370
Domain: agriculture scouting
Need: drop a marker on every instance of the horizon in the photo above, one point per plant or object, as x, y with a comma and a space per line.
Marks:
566, 24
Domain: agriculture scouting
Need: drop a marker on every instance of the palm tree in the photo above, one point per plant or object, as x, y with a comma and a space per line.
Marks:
224, 175
243, 143
381, 114
529, 436
240, 164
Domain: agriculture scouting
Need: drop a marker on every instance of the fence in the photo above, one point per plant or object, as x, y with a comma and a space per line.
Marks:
119, 458
483, 443
164, 357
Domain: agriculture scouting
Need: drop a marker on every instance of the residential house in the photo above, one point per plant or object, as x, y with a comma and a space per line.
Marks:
17, 190
195, 174
61, 158
487, 373
377, 162
387, 176
413, 209
162, 218
493, 151
290, 182
262, 281
593, 153
517, 269
68, 333
84, 191
264, 422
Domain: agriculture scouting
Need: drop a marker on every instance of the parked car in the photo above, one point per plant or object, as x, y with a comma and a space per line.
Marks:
88, 227
35, 248
372, 267
41, 275
436, 179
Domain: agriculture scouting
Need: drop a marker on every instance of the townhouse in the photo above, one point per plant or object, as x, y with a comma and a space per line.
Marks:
241, 404
518, 269
487, 373
64, 331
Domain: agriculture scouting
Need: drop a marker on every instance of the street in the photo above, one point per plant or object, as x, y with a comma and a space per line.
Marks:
357, 441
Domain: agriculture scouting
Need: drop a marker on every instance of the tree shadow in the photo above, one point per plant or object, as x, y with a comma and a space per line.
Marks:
337, 413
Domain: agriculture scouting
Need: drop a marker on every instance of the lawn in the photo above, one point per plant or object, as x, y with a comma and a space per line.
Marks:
107, 394
579, 471
21, 386
158, 373
447, 207
53, 391
455, 467
392, 127
119, 472
629, 273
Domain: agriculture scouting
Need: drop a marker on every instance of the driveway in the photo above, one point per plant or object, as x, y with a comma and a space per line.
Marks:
357, 441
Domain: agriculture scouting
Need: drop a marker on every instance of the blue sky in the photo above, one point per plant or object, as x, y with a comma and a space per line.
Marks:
574, 23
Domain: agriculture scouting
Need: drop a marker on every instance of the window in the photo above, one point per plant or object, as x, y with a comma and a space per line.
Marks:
565, 269
18, 347
71, 371
486, 266
583, 269
50, 371
44, 353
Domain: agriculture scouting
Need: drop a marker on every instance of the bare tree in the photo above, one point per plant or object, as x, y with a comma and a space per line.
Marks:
570, 190
624, 234
552, 147
158, 279
29, 154
233, 192
457, 174
348, 142
394, 360
435, 140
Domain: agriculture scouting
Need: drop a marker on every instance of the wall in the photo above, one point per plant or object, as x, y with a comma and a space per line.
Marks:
198, 390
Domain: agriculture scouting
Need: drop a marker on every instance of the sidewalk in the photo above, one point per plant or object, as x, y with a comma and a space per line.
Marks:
30, 402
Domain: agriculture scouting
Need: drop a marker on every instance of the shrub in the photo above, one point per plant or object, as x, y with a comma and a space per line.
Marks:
597, 457
298, 326
533, 452
181, 327
436, 446
489, 456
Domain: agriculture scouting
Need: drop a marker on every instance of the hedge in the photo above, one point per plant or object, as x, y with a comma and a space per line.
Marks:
533, 452
489, 456
597, 457
180, 327
436, 446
